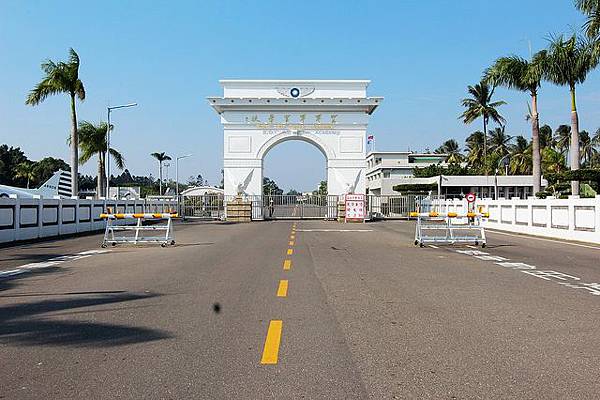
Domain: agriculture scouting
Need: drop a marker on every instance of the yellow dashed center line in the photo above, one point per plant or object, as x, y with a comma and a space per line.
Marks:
292, 236
282, 289
287, 265
272, 342
291, 243
290, 252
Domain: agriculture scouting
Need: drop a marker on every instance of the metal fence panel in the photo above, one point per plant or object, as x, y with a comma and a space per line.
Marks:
208, 206
213, 206
393, 206
299, 207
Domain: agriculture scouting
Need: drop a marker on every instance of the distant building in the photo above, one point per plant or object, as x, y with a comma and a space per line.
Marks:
388, 169
201, 191
385, 169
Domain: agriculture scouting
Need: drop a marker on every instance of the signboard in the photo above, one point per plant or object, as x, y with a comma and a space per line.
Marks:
355, 207
470, 197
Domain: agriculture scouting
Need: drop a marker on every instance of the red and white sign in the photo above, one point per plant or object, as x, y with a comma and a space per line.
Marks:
355, 207
470, 197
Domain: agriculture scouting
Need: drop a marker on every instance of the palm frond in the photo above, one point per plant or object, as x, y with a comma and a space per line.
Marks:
117, 158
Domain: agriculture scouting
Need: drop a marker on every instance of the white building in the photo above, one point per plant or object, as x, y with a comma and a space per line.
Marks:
388, 169
385, 169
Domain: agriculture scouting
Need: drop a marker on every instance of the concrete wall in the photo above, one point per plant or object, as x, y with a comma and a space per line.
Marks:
24, 219
571, 219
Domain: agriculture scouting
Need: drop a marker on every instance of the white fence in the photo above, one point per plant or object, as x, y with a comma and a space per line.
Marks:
24, 219
571, 219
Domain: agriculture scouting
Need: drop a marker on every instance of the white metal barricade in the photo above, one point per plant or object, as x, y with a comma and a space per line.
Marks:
449, 228
136, 232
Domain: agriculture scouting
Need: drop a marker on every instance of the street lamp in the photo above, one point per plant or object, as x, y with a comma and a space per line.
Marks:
177, 178
108, 129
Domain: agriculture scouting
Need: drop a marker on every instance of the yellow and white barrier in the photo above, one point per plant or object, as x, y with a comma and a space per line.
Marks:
137, 230
449, 227
139, 215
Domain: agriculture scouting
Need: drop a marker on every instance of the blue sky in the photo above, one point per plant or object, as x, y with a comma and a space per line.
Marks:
168, 56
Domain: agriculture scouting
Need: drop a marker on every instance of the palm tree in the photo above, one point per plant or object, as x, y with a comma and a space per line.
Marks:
452, 149
92, 142
499, 142
595, 143
588, 149
591, 8
569, 62
26, 170
517, 73
475, 143
480, 105
562, 139
520, 157
62, 77
161, 157
546, 139
553, 161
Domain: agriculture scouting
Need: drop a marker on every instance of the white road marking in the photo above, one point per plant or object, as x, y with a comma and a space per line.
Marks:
11, 272
432, 246
334, 230
49, 263
593, 288
472, 252
546, 239
515, 265
549, 275
491, 258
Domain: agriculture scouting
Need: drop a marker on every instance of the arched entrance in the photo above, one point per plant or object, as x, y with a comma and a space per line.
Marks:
293, 171
258, 114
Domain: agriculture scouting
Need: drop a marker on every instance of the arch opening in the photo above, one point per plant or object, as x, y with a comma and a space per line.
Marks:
295, 166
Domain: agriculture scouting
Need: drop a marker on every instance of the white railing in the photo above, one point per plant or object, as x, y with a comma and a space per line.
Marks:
25, 219
571, 219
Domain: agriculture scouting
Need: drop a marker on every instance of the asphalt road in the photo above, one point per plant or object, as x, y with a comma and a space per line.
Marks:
365, 314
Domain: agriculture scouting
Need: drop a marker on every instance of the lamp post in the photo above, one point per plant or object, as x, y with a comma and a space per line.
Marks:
177, 178
108, 111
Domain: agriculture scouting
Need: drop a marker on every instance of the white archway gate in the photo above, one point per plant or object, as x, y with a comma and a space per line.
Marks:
259, 114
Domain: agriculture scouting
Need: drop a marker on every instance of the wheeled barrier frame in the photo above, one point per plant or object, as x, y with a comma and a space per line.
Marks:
111, 228
471, 232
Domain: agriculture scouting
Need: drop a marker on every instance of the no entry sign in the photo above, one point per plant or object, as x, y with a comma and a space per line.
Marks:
470, 197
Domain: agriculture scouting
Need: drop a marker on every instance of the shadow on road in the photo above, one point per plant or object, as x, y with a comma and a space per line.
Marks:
26, 324
36, 257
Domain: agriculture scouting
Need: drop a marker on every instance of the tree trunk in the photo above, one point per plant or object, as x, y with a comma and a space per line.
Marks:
100, 178
535, 143
74, 150
160, 178
485, 165
574, 141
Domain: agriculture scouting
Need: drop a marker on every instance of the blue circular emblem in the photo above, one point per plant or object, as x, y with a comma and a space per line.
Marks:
295, 92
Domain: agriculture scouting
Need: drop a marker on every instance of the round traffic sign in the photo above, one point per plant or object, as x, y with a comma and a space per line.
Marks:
470, 197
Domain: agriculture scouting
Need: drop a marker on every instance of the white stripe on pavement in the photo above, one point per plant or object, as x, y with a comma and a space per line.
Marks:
54, 261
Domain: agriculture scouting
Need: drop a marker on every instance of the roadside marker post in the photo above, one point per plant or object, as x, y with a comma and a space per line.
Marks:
136, 231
